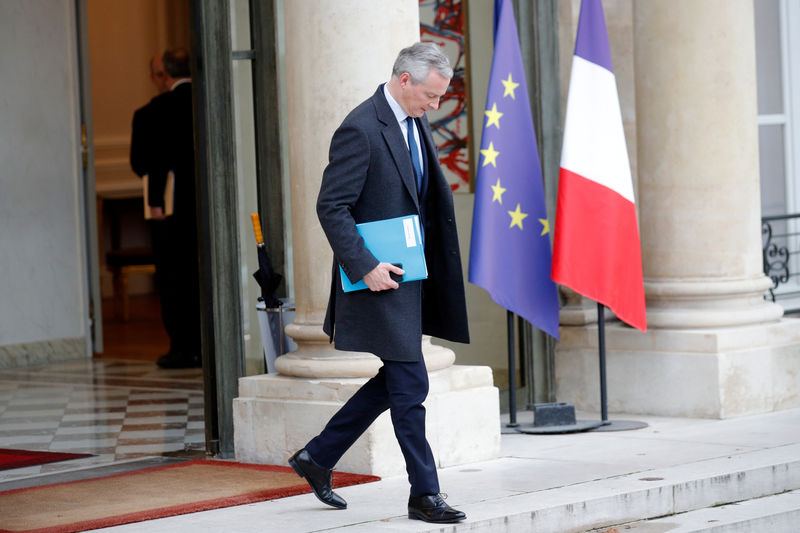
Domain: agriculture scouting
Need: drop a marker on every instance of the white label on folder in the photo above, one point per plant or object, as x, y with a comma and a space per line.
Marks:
408, 227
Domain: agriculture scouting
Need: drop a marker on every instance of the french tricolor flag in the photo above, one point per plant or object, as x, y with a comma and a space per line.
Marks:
596, 250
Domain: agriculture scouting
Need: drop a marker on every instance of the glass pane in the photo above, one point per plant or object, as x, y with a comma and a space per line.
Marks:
248, 203
768, 56
240, 25
771, 167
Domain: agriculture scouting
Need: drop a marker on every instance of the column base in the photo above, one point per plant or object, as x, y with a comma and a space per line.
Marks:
706, 373
704, 303
321, 360
275, 415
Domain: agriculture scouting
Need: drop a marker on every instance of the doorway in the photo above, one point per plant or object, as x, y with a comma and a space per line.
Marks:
122, 37
236, 163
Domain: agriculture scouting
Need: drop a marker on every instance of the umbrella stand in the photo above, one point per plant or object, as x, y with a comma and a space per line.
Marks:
266, 276
271, 310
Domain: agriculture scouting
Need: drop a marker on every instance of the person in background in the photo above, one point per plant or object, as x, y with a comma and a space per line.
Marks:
162, 142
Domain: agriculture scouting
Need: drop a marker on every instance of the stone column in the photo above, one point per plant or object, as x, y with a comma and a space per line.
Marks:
714, 347
337, 53
699, 198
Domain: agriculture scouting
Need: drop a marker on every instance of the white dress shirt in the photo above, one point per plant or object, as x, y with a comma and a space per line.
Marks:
401, 116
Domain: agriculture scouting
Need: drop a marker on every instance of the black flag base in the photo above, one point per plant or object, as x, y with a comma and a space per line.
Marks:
578, 426
620, 425
558, 417
551, 418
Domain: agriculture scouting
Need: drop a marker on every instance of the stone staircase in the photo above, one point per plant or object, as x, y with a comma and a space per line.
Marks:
777, 513
750, 491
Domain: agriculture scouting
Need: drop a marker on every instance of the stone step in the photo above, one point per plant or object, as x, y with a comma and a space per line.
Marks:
604, 503
771, 514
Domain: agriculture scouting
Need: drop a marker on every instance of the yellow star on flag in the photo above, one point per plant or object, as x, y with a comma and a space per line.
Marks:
510, 86
545, 226
494, 116
498, 192
490, 155
517, 217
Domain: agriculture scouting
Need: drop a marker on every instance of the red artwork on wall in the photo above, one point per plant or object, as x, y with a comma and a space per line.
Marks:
443, 22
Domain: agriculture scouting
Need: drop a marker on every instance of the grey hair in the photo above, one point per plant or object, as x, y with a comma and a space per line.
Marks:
176, 63
418, 60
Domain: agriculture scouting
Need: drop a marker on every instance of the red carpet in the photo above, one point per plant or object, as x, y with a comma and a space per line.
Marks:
150, 493
20, 458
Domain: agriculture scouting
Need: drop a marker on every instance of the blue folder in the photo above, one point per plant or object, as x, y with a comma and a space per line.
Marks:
394, 240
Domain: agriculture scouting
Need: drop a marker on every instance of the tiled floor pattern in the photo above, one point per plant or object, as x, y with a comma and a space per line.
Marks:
115, 410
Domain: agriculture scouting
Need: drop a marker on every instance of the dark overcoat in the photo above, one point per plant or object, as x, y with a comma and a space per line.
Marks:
370, 177
162, 140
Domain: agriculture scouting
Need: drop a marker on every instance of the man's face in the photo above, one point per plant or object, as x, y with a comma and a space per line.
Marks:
158, 74
417, 99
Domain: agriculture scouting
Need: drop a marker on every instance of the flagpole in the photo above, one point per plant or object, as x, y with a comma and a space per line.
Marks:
601, 343
512, 374
605, 423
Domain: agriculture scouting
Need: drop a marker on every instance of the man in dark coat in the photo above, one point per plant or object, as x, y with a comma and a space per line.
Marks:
162, 141
383, 164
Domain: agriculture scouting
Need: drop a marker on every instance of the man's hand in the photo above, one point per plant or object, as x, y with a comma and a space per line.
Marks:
157, 213
378, 279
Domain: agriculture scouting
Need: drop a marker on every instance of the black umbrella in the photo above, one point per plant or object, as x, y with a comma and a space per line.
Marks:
266, 276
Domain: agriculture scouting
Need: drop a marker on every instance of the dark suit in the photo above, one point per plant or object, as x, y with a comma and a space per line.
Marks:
143, 139
370, 177
162, 140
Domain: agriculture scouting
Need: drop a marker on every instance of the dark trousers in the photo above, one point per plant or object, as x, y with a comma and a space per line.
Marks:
400, 387
177, 280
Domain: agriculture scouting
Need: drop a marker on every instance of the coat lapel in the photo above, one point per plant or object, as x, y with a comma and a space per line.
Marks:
396, 144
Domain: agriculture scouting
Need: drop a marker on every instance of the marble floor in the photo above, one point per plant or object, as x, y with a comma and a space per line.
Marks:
117, 410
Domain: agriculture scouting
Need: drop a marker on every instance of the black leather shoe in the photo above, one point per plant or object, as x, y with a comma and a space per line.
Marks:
432, 508
318, 477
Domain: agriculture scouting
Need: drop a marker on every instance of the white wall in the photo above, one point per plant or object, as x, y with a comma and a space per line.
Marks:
42, 279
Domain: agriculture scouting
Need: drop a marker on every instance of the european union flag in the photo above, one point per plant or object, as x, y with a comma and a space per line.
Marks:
510, 248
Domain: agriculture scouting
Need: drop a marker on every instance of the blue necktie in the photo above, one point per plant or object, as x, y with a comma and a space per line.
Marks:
412, 146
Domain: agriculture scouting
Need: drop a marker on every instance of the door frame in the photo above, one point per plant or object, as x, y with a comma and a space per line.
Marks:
223, 347
215, 166
91, 229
